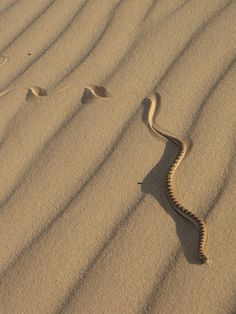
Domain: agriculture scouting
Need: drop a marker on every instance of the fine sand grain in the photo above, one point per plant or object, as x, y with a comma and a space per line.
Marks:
85, 224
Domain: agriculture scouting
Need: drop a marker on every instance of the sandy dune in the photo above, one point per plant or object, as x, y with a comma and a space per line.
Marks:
85, 224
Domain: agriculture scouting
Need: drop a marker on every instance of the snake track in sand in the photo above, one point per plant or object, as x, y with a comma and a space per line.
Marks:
182, 146
89, 91
3, 60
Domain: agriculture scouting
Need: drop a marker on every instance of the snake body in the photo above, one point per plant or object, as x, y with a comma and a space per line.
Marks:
182, 146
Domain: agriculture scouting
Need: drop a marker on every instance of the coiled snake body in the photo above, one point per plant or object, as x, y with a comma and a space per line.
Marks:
198, 222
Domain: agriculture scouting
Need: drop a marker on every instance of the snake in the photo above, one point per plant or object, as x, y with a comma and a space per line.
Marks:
171, 194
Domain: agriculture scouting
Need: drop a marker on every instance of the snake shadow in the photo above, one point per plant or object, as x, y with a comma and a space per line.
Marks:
154, 184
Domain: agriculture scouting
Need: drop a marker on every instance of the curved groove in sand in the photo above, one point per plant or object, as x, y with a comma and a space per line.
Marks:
3, 60
36, 91
42, 141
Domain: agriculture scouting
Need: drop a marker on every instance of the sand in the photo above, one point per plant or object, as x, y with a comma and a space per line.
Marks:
85, 224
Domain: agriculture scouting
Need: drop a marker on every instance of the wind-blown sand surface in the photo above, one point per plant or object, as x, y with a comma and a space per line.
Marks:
85, 224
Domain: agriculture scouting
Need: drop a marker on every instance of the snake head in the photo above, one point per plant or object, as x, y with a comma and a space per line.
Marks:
150, 108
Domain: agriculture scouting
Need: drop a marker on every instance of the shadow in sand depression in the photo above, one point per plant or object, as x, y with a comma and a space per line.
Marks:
154, 184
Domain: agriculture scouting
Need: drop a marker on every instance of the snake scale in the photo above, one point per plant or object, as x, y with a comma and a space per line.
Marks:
182, 146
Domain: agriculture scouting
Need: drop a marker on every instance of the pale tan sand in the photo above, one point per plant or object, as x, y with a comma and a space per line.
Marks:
78, 234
